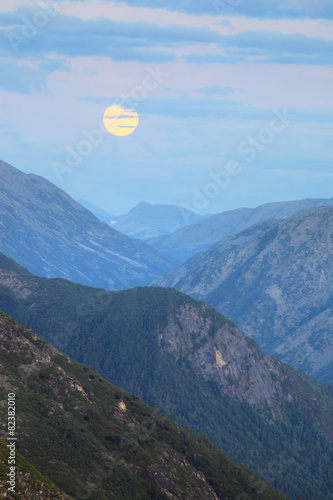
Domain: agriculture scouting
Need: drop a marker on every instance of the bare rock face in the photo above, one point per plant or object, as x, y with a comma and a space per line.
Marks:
227, 357
276, 283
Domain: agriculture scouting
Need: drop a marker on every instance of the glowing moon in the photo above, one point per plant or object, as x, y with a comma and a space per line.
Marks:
119, 120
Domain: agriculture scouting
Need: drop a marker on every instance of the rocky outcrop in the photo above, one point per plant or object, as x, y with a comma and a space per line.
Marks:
227, 357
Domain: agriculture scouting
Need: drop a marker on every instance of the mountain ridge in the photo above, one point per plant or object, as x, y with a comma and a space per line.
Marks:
188, 241
147, 221
44, 229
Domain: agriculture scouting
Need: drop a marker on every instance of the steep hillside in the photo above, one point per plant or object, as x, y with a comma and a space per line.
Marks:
44, 229
181, 355
29, 482
188, 241
276, 284
173, 278
97, 442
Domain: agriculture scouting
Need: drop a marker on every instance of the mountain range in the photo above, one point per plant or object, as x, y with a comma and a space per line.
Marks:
188, 241
44, 229
275, 281
181, 355
146, 221
269, 269
96, 441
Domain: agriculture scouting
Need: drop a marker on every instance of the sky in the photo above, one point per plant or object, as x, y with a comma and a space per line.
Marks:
234, 99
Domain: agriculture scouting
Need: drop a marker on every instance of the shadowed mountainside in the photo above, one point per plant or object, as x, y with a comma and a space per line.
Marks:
44, 229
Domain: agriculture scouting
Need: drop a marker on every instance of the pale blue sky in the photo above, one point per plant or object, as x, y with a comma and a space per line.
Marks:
234, 99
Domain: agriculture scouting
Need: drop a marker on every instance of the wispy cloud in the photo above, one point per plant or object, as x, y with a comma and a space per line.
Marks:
266, 9
150, 42
208, 107
185, 107
119, 40
23, 79
216, 90
270, 47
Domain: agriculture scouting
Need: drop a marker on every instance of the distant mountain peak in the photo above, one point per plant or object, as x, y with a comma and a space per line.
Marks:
147, 221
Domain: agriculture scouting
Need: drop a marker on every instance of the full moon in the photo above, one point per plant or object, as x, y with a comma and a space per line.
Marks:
119, 120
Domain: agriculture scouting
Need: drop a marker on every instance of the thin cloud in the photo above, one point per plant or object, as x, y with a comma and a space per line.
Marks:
270, 47
216, 90
264, 9
119, 40
209, 107
186, 107
22, 79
